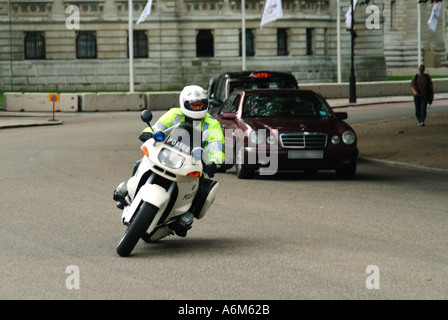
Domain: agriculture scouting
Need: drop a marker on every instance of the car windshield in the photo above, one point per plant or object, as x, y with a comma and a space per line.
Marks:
270, 83
285, 105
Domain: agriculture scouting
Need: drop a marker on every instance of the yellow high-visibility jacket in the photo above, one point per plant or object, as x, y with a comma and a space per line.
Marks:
212, 135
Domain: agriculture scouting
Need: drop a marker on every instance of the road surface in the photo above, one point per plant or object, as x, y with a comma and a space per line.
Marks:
289, 236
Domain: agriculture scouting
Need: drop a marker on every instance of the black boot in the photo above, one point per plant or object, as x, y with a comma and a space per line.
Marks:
183, 224
120, 195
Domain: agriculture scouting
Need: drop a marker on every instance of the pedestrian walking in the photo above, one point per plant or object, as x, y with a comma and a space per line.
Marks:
423, 91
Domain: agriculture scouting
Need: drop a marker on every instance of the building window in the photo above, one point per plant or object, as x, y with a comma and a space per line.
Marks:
393, 12
204, 44
34, 45
140, 44
326, 42
250, 43
86, 45
309, 41
282, 42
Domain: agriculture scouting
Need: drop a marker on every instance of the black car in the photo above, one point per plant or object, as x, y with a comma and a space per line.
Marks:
221, 86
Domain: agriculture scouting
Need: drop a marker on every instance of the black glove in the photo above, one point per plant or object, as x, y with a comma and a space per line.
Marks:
144, 136
210, 169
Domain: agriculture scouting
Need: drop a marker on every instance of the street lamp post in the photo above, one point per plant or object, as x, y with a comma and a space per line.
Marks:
352, 68
131, 47
243, 34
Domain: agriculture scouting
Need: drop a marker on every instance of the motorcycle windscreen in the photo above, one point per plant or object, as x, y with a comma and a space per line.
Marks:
185, 138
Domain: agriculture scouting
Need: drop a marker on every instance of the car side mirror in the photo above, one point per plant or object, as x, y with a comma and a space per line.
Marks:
341, 115
215, 102
228, 115
146, 116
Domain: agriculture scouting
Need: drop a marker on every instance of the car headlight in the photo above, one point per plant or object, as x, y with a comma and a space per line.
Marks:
271, 139
335, 139
170, 159
348, 137
256, 138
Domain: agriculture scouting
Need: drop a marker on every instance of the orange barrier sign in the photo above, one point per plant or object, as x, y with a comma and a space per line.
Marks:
53, 97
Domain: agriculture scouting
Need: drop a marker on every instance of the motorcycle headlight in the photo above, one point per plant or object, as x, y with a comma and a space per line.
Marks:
170, 159
348, 137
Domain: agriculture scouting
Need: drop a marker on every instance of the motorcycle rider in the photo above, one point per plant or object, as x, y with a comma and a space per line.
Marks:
193, 108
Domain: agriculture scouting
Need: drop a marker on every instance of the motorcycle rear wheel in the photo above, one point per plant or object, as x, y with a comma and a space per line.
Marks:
137, 228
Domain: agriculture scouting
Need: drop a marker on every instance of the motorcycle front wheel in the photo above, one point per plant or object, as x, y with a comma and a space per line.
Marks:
137, 228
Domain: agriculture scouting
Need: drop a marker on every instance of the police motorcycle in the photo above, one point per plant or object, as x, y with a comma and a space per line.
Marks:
167, 188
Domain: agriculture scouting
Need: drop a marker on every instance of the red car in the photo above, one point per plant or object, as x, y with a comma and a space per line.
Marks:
281, 130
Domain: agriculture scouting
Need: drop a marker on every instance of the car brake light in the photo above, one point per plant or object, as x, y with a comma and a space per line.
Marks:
260, 75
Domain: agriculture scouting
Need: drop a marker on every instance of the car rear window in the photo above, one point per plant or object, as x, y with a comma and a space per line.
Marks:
271, 83
285, 105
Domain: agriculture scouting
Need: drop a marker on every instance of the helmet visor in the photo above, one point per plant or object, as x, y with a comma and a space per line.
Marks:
199, 105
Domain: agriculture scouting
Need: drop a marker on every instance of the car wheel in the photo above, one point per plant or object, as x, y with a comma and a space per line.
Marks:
347, 172
243, 171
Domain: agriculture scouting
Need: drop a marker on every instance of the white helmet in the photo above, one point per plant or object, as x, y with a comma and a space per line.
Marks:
193, 102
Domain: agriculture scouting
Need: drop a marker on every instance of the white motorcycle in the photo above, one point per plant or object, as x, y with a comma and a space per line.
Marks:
167, 189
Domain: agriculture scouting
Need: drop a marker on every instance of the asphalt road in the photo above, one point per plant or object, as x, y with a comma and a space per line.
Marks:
289, 236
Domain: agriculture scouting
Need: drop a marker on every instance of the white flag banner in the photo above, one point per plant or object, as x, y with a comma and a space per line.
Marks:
272, 11
348, 15
146, 12
432, 22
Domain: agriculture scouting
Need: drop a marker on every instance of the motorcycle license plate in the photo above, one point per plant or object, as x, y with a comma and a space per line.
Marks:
305, 154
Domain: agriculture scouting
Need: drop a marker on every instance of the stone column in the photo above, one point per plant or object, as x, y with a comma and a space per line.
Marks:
110, 9
58, 9
226, 6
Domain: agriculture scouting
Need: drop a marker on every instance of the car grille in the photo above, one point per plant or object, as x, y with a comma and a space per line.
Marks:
303, 140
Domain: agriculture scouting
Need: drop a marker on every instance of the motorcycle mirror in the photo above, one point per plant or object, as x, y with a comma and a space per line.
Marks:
146, 116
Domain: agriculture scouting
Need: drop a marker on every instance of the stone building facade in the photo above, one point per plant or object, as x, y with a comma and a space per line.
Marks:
401, 35
187, 41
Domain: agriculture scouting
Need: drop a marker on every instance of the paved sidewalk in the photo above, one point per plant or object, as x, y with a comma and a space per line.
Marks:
13, 121
25, 119
339, 103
